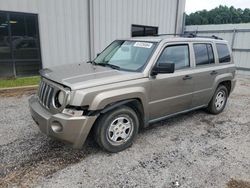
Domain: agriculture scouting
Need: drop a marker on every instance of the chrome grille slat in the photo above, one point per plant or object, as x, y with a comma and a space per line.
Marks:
47, 97
51, 96
45, 94
40, 92
39, 89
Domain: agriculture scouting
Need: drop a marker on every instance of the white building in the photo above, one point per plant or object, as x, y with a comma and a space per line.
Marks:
45, 33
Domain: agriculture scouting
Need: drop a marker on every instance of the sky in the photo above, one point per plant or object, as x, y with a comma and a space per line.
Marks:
195, 5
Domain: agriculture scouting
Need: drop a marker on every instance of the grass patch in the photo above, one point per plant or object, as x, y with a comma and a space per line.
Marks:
19, 82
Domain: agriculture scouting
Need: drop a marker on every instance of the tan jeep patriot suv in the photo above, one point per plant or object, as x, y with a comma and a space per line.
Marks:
132, 84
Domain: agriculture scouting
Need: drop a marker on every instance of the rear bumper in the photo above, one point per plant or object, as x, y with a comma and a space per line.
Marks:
73, 129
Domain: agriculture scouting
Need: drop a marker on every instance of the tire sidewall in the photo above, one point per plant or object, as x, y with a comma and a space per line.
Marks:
105, 122
220, 88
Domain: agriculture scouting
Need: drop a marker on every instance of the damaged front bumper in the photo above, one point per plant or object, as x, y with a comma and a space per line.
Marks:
61, 126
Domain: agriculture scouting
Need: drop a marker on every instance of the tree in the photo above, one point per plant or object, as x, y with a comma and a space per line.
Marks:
246, 16
219, 15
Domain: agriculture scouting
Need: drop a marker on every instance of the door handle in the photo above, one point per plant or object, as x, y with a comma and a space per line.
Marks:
214, 73
187, 77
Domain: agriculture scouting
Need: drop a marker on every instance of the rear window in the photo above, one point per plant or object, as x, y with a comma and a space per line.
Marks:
223, 52
203, 54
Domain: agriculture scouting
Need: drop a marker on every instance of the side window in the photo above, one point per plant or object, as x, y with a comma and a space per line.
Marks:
179, 55
203, 54
223, 52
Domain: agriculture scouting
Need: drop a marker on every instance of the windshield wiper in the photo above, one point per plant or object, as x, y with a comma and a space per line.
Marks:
92, 62
104, 65
108, 65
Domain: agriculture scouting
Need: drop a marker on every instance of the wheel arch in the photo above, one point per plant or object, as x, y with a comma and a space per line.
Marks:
227, 84
224, 79
135, 97
135, 104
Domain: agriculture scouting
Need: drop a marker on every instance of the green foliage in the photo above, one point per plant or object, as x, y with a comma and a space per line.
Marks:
219, 15
18, 82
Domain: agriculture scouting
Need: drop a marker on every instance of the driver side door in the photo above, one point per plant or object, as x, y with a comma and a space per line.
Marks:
172, 93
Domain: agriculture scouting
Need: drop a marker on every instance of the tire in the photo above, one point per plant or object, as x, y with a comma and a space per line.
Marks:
115, 130
219, 100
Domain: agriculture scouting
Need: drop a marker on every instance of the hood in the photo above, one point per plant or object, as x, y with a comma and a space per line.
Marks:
85, 75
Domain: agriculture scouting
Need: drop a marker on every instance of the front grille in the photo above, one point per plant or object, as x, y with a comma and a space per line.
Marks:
45, 94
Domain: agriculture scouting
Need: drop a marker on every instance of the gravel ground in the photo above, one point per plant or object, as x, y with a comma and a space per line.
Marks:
192, 150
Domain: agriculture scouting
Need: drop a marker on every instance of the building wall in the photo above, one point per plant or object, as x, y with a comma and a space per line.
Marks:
63, 28
64, 24
236, 34
113, 18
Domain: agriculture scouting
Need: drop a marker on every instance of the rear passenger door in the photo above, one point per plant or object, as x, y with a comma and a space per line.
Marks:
204, 73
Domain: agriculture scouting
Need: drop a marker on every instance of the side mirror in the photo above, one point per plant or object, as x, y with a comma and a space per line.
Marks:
163, 68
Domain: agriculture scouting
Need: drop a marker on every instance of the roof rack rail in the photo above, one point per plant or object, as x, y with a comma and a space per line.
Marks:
194, 35
168, 34
189, 35
216, 37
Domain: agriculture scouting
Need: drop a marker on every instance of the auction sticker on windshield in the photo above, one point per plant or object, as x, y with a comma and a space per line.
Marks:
143, 45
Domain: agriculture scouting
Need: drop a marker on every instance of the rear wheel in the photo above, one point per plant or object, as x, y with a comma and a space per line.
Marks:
116, 129
219, 100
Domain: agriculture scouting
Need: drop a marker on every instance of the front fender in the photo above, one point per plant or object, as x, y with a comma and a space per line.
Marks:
105, 98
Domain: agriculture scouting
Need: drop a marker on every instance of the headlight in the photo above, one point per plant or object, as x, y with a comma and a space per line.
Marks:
62, 98
59, 99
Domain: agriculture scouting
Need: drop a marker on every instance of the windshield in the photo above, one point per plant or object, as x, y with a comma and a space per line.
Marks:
126, 55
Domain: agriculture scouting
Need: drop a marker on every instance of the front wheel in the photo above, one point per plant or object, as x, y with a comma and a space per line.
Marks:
116, 129
219, 100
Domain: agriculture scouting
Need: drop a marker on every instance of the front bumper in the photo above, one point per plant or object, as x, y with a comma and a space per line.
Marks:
74, 129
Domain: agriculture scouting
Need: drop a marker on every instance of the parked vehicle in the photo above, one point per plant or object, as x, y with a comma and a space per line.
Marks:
130, 85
